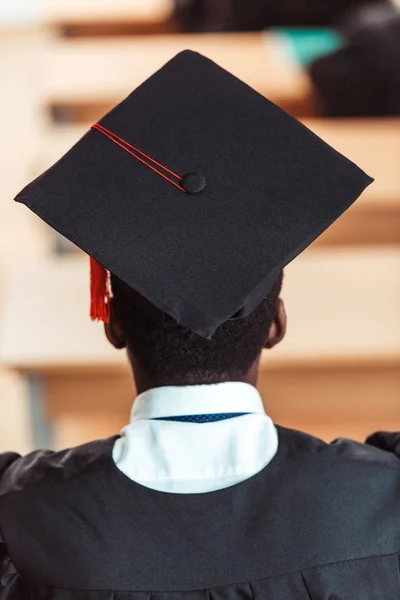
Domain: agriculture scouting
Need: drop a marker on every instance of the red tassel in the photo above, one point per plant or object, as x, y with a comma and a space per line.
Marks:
99, 292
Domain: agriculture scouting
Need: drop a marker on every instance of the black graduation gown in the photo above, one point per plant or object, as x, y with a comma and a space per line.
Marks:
320, 522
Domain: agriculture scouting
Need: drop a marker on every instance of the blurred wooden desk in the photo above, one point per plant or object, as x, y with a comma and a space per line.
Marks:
103, 17
372, 144
82, 79
337, 371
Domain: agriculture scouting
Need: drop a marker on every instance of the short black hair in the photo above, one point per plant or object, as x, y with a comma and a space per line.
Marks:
177, 356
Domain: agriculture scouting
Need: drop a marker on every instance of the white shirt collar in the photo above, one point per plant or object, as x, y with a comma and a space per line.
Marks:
169, 401
185, 458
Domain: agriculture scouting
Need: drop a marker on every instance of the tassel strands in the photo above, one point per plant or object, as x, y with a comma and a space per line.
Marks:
100, 293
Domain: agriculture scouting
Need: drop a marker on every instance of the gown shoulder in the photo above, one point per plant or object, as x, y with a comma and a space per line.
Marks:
18, 473
41, 467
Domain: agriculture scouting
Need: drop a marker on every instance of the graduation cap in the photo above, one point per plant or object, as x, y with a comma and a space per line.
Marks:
195, 191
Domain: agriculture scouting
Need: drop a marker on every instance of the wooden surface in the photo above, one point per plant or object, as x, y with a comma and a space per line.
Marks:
372, 144
86, 18
343, 308
96, 74
327, 402
76, 12
22, 236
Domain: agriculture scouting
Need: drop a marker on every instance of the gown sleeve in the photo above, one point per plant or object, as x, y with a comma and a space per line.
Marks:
11, 587
10, 582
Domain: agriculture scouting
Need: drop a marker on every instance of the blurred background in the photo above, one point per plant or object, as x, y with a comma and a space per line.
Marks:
334, 65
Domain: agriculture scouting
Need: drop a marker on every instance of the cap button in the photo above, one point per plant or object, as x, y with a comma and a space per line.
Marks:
193, 183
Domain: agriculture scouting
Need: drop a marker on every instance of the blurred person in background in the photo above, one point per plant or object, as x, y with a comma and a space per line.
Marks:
255, 15
362, 78
201, 495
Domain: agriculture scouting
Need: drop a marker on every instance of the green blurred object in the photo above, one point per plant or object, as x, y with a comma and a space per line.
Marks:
308, 44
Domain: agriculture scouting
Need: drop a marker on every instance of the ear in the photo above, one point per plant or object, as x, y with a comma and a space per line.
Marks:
114, 332
278, 328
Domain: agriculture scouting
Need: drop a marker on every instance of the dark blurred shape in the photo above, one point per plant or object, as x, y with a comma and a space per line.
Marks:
255, 15
386, 440
363, 77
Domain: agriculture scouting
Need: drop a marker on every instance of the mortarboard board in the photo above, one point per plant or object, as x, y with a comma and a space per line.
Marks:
195, 191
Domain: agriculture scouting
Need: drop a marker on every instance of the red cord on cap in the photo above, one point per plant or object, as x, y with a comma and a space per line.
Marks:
145, 159
100, 294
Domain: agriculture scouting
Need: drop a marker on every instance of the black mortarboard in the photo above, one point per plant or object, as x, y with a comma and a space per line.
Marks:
196, 191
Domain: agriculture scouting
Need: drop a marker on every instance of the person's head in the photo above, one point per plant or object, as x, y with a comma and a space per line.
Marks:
177, 356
